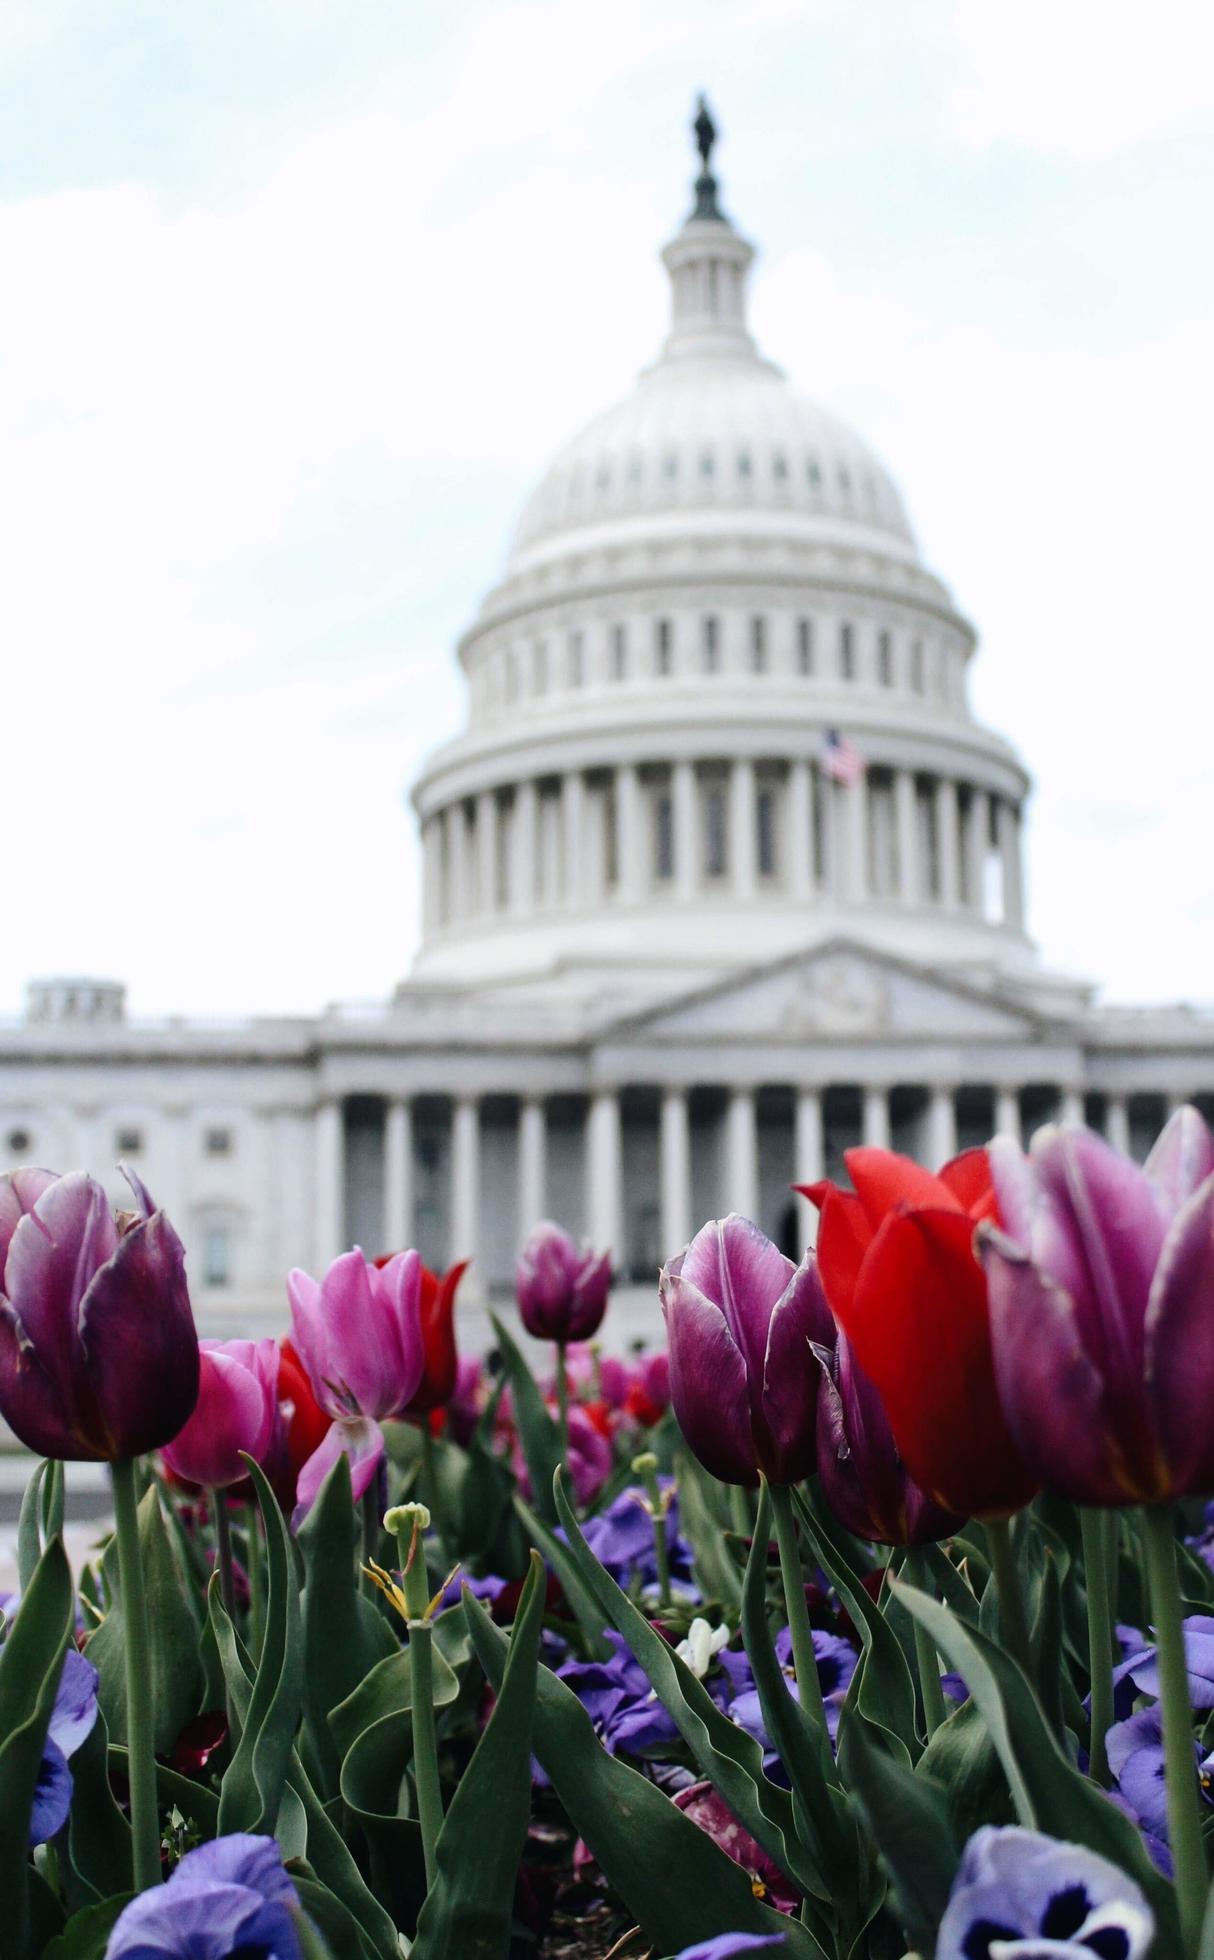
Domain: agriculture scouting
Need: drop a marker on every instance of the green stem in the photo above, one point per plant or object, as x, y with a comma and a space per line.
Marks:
429, 1476
371, 1529
421, 1668
645, 1467
934, 1708
1100, 1651
256, 1581
804, 1660
223, 1550
141, 1763
739, 1512
1007, 1581
562, 1400
1184, 1819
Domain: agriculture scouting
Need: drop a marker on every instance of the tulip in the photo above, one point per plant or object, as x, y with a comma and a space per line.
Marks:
740, 1318
898, 1265
441, 1361
561, 1288
1102, 1311
863, 1478
358, 1334
235, 1416
98, 1354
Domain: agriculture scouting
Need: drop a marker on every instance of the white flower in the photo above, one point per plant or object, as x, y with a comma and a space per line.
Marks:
701, 1644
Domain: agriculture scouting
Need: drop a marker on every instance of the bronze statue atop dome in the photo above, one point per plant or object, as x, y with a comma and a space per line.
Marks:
705, 132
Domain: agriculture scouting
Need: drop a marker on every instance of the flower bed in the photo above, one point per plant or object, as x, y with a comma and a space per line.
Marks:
873, 1618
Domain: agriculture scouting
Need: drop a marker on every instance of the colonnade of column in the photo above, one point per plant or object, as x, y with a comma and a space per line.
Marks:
573, 840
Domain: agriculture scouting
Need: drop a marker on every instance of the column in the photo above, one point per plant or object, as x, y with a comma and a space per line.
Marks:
465, 1178
855, 801
629, 832
683, 809
1117, 1124
532, 1164
459, 894
1007, 1113
975, 850
604, 1171
742, 828
523, 867
675, 1172
949, 840
876, 1118
1007, 824
398, 1175
432, 875
742, 1154
810, 1159
1070, 1108
908, 837
330, 1170
486, 850
573, 795
941, 1128
801, 828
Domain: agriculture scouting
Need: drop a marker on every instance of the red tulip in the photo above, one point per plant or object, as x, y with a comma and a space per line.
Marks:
896, 1258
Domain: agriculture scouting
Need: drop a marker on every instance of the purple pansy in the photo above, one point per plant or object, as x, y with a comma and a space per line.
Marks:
622, 1539
619, 1700
727, 1945
836, 1660
229, 1896
1022, 1896
1136, 1759
72, 1717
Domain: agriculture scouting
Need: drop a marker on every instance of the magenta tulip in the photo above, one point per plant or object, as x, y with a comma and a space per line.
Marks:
1101, 1290
236, 1411
561, 1287
740, 1320
863, 1478
98, 1353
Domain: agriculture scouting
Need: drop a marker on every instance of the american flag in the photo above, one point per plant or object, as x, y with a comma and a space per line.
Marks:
841, 758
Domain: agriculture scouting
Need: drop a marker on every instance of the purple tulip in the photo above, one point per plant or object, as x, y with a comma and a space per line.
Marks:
72, 1717
864, 1480
98, 1353
1102, 1311
237, 1410
561, 1287
741, 1320
1018, 1892
228, 1897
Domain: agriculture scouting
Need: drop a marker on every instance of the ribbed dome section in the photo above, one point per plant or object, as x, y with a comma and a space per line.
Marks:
715, 434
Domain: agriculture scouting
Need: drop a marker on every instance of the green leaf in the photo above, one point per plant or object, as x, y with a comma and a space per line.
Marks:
469, 1907
29, 1535
670, 1874
341, 1641
586, 1609
252, 1785
886, 1693
87, 1932
343, 1937
99, 1832
1047, 1790
176, 1673
329, 1857
705, 1523
730, 1758
31, 1662
538, 1433
908, 1818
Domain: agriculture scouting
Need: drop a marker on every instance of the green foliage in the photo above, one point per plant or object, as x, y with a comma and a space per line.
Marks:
174, 1617
343, 1634
31, 1661
538, 1433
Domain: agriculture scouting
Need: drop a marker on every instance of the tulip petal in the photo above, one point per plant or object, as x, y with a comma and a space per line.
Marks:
361, 1441
1050, 1392
790, 1375
708, 1382
1180, 1345
33, 1402
732, 1263
136, 1330
46, 1392
1181, 1159
396, 1292
20, 1191
884, 1179
968, 1177
233, 1413
310, 1338
844, 1236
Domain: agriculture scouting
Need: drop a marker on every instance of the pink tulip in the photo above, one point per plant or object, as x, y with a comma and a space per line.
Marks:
237, 1410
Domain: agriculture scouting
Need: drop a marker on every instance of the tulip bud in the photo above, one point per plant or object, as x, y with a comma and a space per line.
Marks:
561, 1288
235, 1416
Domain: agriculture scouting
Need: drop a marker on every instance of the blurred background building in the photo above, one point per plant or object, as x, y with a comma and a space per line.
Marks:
721, 877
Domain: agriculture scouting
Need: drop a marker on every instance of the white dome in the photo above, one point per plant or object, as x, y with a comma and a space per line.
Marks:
709, 433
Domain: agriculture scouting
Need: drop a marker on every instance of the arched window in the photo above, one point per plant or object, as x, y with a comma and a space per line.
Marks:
664, 647
805, 646
577, 660
619, 653
758, 644
847, 651
885, 658
712, 645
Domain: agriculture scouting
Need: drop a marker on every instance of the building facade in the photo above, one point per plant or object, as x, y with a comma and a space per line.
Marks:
721, 877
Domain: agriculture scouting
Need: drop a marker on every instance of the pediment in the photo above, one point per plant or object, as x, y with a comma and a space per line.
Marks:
838, 992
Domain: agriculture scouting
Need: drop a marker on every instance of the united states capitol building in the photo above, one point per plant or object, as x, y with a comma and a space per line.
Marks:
720, 877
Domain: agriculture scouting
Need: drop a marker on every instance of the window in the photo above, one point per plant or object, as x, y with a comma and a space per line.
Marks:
218, 1143
18, 1142
707, 463
743, 462
664, 648
539, 668
634, 470
813, 472
128, 1143
765, 828
663, 836
885, 659
847, 651
916, 671
844, 483
619, 653
511, 675
712, 645
577, 660
714, 831
758, 644
779, 468
670, 467
805, 647
216, 1255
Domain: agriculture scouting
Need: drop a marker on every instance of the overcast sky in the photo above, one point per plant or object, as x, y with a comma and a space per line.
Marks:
298, 298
